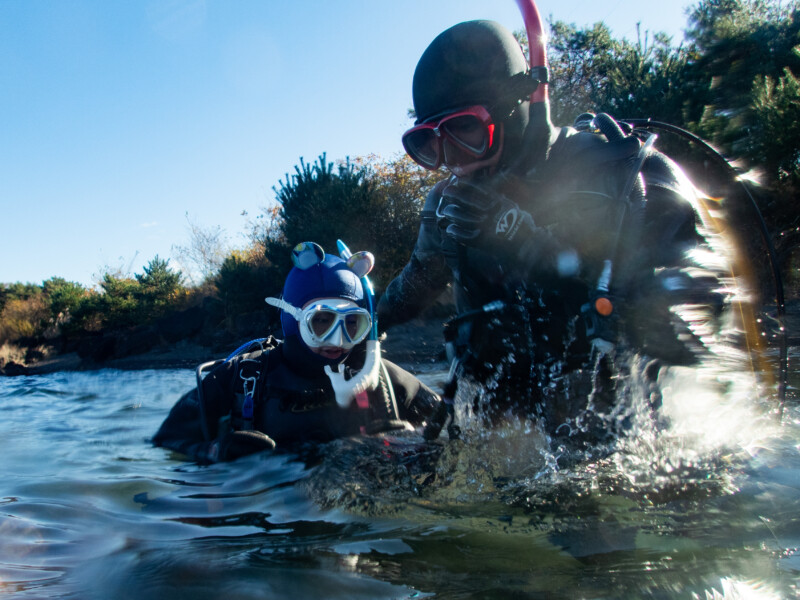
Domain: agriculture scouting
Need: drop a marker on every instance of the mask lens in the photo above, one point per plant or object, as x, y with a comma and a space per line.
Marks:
356, 325
321, 322
422, 146
455, 155
469, 132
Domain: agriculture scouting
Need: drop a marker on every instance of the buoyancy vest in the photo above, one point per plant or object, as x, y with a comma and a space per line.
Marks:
576, 198
290, 407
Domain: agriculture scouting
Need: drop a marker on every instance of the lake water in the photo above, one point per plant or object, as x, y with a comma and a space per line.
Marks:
707, 508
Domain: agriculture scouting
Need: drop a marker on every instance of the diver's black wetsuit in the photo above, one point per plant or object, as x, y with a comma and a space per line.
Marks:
292, 405
575, 197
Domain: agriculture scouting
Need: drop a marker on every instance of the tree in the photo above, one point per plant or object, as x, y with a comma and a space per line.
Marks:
65, 300
399, 190
205, 253
245, 278
118, 305
17, 291
735, 44
63, 296
744, 97
321, 203
579, 61
776, 127
591, 71
159, 283
369, 204
32, 311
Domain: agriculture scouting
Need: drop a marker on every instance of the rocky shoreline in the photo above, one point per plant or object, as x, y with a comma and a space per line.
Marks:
418, 343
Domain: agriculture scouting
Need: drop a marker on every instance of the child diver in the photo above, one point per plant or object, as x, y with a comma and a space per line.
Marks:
324, 380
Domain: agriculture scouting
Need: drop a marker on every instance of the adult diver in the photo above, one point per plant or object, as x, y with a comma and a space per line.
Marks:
571, 251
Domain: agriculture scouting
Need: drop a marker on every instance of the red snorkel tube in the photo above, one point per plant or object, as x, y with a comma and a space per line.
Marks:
536, 51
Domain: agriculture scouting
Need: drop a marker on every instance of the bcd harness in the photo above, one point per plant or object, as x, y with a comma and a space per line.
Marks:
240, 417
377, 409
599, 314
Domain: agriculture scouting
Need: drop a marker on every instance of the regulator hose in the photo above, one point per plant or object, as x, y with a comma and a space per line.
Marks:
731, 171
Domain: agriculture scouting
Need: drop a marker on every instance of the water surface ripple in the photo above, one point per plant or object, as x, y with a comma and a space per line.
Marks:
89, 509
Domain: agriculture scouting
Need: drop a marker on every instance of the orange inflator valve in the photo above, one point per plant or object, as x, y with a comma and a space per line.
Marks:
603, 306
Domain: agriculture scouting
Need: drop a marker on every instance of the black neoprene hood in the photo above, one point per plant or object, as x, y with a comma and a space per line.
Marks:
470, 63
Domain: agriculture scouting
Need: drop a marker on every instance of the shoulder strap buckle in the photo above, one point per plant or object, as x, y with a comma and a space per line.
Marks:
250, 376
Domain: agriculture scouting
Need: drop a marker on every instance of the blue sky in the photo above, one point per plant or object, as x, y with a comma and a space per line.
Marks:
117, 118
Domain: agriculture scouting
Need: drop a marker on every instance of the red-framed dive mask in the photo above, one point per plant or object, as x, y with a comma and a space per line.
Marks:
458, 139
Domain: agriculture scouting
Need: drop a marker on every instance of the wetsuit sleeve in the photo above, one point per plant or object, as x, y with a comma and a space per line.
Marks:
218, 395
416, 402
425, 276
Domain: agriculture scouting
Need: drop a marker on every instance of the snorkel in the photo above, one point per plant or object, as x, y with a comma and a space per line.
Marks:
537, 43
540, 128
367, 378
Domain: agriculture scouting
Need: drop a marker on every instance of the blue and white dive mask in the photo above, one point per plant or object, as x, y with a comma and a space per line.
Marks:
329, 321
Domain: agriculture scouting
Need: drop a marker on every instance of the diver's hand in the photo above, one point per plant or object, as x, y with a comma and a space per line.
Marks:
477, 216
239, 443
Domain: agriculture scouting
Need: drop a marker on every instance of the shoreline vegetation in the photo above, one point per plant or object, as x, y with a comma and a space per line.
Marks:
417, 346
734, 81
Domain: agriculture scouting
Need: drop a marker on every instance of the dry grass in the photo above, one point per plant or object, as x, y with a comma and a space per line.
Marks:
11, 353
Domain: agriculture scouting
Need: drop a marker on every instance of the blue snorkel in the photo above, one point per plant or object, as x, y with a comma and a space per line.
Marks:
368, 377
369, 291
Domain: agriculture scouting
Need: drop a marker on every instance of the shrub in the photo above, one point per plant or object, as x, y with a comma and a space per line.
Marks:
369, 204
245, 279
23, 318
159, 289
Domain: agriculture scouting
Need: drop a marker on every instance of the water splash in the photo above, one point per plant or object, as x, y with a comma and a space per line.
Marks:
732, 589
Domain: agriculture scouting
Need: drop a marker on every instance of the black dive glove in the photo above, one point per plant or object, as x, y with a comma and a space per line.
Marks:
480, 217
236, 444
